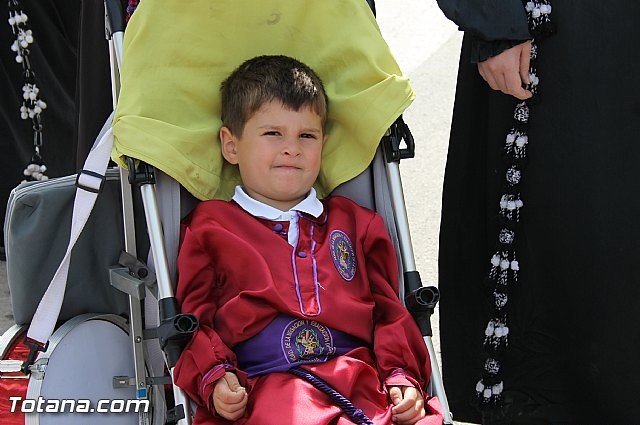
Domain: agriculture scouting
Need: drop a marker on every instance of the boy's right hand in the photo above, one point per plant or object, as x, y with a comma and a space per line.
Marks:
229, 397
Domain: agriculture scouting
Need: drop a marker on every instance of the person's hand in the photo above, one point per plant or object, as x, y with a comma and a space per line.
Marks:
408, 406
508, 71
229, 397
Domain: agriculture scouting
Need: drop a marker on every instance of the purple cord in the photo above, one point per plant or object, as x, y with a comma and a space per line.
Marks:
355, 414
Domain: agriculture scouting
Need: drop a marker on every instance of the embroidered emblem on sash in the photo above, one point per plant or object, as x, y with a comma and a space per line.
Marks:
307, 341
343, 254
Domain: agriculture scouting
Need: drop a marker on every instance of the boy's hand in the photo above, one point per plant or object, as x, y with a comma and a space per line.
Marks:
408, 406
229, 397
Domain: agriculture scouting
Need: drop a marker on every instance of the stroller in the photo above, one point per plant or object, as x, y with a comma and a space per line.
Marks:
148, 342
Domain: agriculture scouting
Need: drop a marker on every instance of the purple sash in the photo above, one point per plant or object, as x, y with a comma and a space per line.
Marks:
289, 341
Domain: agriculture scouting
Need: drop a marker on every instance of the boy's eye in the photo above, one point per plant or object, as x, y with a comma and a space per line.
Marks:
308, 136
272, 133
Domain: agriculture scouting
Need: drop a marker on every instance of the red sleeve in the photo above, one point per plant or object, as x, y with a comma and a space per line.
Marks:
205, 358
400, 351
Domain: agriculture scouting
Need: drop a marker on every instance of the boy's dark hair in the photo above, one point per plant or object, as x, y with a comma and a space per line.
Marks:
263, 79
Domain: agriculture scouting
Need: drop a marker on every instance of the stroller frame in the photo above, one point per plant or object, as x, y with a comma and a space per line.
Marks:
174, 326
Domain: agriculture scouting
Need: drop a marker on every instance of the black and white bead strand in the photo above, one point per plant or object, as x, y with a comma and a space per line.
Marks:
504, 268
32, 105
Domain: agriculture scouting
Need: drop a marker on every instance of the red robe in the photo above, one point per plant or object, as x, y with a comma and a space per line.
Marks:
236, 274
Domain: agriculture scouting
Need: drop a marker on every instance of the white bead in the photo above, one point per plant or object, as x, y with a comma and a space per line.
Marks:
33, 96
511, 138
522, 140
535, 12
489, 330
479, 387
14, 46
495, 261
31, 114
43, 168
515, 266
504, 264
496, 389
24, 44
29, 39
503, 202
529, 6
24, 115
26, 172
42, 104
519, 203
19, 59
486, 393
511, 205
45, 177
505, 330
499, 332
12, 20
37, 109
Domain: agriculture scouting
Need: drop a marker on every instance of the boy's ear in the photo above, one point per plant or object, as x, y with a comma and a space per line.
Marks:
228, 145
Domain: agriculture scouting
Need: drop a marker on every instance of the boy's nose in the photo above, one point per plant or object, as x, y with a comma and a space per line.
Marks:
291, 146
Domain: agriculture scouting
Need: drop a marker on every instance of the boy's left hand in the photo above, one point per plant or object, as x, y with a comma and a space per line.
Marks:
408, 406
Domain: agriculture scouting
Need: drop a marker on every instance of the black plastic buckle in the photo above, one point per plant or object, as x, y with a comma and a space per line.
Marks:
34, 347
398, 132
92, 174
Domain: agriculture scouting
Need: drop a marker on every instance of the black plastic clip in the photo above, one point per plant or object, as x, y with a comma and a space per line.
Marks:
398, 132
34, 347
92, 174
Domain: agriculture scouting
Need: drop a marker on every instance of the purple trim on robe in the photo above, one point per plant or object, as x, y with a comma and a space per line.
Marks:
315, 268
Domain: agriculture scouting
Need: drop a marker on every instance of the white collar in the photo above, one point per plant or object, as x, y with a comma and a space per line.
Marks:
309, 205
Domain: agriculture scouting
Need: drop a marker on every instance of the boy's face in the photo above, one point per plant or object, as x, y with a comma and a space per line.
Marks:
278, 154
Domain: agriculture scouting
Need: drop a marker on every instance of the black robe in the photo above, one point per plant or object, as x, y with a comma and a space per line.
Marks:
574, 316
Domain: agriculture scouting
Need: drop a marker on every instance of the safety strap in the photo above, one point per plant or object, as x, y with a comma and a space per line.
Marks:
356, 415
89, 182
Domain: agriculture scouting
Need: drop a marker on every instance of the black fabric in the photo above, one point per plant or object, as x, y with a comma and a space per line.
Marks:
488, 20
93, 83
70, 59
574, 339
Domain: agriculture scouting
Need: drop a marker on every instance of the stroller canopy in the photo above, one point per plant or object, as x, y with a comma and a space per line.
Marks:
176, 54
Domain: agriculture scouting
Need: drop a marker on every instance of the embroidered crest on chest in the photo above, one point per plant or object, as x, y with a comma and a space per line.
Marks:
343, 254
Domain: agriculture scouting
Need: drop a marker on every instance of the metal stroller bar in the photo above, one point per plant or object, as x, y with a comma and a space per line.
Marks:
168, 306
420, 300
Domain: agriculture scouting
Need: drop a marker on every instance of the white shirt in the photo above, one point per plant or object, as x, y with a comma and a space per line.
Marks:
310, 205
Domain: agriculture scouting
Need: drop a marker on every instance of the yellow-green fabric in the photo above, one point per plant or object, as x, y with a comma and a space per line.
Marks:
176, 54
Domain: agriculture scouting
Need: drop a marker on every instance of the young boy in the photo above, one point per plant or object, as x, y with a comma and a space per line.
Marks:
283, 282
